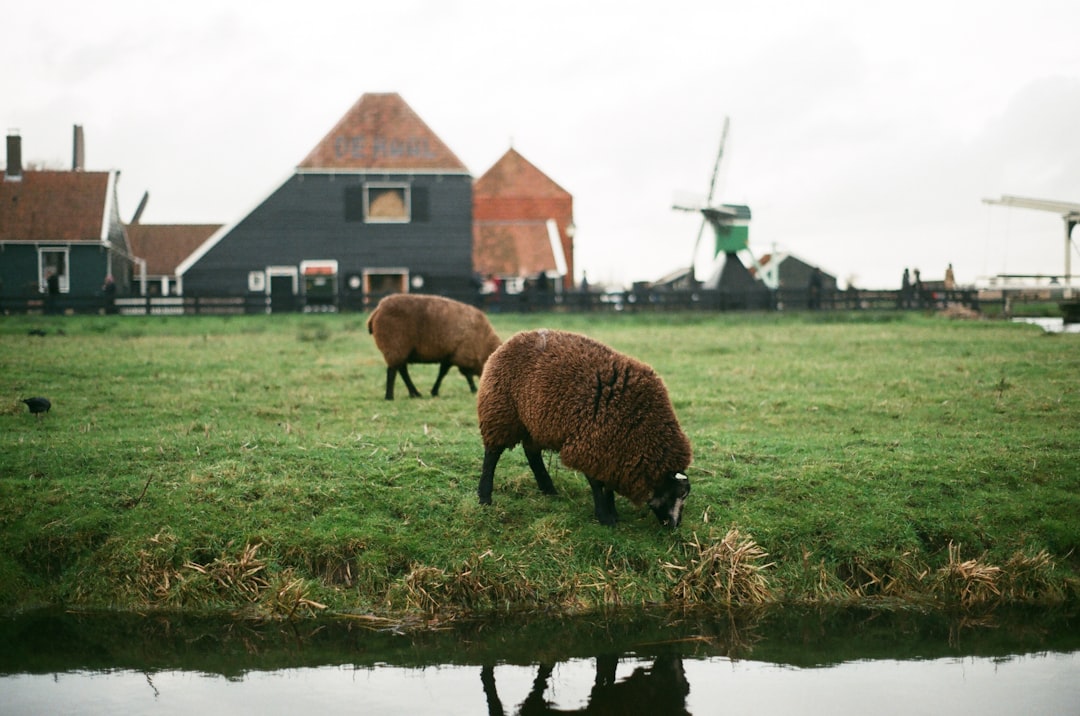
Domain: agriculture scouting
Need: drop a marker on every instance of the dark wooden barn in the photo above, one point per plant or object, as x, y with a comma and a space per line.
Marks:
381, 204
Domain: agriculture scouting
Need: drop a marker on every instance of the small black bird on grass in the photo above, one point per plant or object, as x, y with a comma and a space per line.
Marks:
38, 405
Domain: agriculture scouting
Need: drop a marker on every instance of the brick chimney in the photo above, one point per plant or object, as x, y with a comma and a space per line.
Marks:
13, 172
78, 150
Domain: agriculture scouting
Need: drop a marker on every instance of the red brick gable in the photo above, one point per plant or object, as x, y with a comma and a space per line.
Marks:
512, 203
164, 246
54, 206
514, 176
379, 132
511, 248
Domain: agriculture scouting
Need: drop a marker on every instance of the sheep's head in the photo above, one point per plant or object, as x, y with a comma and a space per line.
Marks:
667, 500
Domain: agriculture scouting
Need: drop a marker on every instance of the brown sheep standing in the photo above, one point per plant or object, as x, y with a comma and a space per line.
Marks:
605, 413
413, 328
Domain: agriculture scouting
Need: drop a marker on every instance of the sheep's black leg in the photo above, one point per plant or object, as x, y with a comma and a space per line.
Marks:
404, 370
543, 478
444, 368
603, 503
534, 702
391, 373
487, 473
606, 665
487, 679
469, 377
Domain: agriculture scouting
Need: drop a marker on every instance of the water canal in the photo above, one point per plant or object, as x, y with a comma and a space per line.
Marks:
850, 662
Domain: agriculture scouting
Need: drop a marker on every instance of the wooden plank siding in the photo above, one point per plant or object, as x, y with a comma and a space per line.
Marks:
305, 219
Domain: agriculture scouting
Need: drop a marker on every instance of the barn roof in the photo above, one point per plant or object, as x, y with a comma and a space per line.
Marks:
381, 132
164, 246
55, 206
515, 176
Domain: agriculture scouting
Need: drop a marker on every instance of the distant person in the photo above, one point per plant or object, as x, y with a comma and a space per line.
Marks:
583, 287
108, 290
905, 290
492, 290
950, 284
52, 283
918, 289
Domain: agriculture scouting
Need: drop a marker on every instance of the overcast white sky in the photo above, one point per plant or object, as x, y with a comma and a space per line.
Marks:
864, 135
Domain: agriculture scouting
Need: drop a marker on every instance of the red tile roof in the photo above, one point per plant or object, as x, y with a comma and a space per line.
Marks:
164, 246
512, 203
54, 206
514, 176
381, 131
511, 248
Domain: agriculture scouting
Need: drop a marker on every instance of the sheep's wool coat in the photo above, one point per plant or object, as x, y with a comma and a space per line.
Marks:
607, 414
418, 328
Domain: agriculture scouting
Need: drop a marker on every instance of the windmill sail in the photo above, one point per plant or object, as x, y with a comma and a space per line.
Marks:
709, 198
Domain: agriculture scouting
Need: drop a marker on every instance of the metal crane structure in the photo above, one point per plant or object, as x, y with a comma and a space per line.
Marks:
730, 223
1069, 212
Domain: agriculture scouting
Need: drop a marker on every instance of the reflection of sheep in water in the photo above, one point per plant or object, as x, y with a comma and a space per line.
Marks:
659, 689
607, 414
411, 328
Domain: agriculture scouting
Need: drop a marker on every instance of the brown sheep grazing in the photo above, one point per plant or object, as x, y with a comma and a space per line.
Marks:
605, 413
412, 328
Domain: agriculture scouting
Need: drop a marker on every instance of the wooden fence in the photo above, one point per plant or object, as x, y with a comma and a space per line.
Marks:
636, 301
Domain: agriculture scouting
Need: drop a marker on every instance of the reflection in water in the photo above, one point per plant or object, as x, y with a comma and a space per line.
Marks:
660, 689
643, 662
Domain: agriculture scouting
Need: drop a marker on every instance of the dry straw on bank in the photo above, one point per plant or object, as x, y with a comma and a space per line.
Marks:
484, 581
245, 579
730, 571
969, 582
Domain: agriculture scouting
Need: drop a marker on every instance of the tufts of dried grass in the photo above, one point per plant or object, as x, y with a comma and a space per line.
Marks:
484, 581
901, 579
288, 597
970, 583
818, 583
618, 582
1029, 579
730, 571
236, 579
156, 576
246, 580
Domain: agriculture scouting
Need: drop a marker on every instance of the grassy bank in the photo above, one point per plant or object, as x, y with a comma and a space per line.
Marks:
251, 464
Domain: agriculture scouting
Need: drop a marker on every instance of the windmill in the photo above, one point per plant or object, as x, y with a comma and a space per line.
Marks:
731, 227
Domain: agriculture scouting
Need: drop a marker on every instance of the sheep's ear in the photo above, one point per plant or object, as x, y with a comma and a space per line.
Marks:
682, 485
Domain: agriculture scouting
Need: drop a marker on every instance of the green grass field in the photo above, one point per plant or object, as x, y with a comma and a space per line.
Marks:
250, 464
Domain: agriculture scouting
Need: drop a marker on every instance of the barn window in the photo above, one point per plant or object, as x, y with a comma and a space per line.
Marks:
386, 203
53, 261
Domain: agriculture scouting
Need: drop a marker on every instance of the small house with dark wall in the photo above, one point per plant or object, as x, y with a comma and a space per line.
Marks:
380, 205
523, 224
64, 225
794, 278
